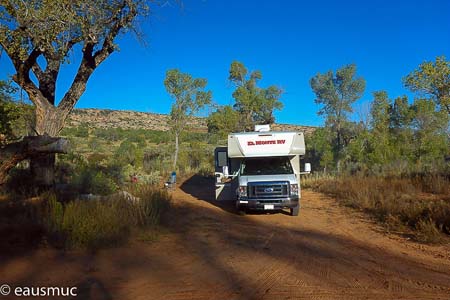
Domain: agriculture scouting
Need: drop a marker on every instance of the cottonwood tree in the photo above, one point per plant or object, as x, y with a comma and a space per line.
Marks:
39, 36
254, 104
432, 79
336, 93
189, 96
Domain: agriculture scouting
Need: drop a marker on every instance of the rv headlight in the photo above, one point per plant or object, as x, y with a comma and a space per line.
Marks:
294, 189
242, 191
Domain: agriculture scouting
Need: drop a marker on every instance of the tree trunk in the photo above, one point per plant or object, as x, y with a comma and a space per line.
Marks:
49, 121
176, 152
43, 169
30, 147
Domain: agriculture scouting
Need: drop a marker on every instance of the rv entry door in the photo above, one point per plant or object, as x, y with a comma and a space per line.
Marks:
222, 174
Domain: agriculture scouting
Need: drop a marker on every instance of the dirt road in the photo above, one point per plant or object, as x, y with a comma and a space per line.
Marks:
208, 252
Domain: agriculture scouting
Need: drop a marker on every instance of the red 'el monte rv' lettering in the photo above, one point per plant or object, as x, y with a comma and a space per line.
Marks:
271, 142
265, 142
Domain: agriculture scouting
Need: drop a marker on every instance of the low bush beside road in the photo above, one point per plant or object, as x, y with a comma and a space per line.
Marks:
106, 221
84, 224
417, 204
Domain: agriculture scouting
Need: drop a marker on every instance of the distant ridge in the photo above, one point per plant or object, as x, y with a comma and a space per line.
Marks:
127, 119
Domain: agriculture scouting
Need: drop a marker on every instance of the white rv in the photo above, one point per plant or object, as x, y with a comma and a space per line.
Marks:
261, 170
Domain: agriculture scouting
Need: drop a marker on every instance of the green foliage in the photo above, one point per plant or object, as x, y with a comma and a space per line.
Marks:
90, 180
254, 104
320, 151
430, 138
379, 140
336, 93
96, 173
129, 153
98, 223
140, 136
8, 113
189, 96
223, 121
432, 79
195, 156
401, 137
60, 24
81, 131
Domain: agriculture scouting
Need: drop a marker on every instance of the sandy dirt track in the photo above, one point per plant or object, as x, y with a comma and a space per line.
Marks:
207, 251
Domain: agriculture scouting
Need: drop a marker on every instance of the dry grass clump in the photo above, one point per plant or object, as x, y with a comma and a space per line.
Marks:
420, 204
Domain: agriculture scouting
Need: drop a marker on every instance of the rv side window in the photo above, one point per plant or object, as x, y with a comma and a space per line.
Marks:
222, 159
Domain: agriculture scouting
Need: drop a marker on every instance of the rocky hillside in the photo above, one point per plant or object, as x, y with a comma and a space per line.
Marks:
105, 118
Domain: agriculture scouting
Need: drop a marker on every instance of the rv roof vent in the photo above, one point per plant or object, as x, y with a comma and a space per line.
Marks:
262, 128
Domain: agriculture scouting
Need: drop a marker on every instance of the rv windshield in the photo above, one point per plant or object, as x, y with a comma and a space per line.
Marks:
266, 166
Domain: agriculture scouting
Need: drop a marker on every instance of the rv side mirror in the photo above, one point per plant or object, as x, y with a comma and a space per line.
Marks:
307, 168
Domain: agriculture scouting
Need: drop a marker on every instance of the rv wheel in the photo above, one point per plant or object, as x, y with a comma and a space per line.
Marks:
240, 209
294, 210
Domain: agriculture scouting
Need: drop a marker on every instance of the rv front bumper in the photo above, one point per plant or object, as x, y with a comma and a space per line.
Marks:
264, 204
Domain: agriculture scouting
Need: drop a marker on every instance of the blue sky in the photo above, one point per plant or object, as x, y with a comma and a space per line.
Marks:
288, 41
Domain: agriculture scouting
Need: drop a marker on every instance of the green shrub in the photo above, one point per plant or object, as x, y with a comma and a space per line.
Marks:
99, 223
90, 180
86, 224
128, 153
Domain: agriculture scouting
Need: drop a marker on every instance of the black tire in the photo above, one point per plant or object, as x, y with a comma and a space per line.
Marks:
295, 210
240, 210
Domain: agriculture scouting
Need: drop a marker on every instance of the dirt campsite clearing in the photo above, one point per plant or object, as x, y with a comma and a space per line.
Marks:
208, 251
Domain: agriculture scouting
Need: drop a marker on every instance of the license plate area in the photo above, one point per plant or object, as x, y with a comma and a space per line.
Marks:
268, 207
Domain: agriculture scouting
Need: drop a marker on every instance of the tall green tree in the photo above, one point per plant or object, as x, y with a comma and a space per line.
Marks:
380, 124
336, 93
39, 37
430, 126
432, 79
254, 104
189, 96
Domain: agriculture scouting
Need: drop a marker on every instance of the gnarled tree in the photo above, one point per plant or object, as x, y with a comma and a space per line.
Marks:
39, 35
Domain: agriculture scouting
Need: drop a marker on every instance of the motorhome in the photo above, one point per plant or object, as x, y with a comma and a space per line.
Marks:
261, 170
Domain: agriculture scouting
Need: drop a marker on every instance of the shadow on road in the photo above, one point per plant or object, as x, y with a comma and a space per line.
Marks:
326, 260
203, 188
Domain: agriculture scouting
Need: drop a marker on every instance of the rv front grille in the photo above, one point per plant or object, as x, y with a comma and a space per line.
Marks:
268, 189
